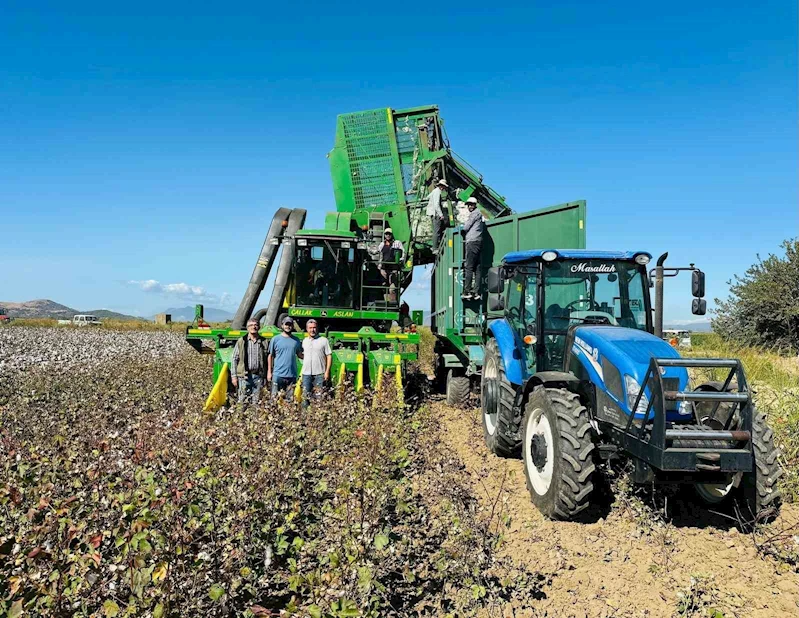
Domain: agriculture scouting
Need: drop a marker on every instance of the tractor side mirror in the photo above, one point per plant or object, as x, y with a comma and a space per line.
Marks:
495, 281
496, 302
698, 285
699, 306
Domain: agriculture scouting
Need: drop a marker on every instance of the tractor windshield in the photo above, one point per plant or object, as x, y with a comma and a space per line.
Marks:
594, 292
590, 292
325, 273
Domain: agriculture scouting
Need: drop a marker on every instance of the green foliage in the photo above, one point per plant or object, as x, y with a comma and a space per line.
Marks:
763, 307
118, 497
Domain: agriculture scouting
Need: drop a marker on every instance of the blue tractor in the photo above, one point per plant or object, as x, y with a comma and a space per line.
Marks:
573, 376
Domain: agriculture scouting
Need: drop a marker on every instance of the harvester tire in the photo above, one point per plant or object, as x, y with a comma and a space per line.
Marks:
497, 397
458, 388
558, 453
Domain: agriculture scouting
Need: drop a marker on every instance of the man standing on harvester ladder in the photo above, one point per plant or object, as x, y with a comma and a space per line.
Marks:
283, 353
473, 231
248, 365
435, 210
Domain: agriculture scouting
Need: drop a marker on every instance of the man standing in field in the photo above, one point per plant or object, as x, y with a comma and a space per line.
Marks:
316, 362
248, 365
282, 360
436, 212
473, 232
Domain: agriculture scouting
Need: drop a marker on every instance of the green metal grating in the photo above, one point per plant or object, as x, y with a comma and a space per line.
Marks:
371, 162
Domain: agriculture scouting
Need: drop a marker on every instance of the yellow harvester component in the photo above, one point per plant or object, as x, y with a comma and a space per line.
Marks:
218, 396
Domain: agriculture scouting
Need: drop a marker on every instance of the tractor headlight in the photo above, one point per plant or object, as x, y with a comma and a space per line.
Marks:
549, 256
633, 388
685, 408
642, 258
302, 242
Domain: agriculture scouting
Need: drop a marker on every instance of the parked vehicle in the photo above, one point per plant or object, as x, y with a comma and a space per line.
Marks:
4, 317
678, 338
82, 320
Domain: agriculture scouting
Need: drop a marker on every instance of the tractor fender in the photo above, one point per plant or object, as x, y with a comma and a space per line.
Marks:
509, 349
561, 379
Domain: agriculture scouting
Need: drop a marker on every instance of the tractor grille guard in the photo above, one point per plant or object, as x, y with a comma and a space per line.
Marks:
663, 445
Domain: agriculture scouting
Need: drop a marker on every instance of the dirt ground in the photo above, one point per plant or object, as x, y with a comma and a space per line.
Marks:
621, 564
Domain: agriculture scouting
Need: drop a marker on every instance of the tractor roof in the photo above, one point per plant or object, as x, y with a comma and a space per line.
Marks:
580, 254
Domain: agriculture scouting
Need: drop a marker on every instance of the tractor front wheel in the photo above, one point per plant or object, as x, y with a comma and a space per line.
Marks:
761, 496
497, 397
558, 453
757, 491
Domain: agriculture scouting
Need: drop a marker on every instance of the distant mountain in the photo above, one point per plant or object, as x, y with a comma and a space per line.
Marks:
105, 314
44, 308
186, 314
41, 308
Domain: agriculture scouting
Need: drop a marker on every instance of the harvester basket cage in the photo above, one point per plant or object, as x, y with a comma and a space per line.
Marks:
367, 137
696, 446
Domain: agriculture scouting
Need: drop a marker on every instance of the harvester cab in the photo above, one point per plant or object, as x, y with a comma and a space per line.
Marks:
573, 375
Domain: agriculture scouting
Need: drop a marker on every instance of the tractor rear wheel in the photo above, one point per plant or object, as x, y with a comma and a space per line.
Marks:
458, 388
497, 397
558, 453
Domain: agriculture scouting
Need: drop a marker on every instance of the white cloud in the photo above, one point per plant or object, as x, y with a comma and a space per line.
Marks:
181, 290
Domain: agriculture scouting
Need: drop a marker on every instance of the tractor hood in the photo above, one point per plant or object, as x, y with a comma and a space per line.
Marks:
629, 351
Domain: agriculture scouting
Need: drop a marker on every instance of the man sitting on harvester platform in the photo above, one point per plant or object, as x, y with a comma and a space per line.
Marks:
472, 231
283, 353
388, 251
248, 365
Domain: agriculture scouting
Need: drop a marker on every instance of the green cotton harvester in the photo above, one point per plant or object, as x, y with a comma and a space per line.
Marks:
384, 164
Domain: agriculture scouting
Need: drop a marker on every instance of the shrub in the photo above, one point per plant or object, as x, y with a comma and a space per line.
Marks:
763, 307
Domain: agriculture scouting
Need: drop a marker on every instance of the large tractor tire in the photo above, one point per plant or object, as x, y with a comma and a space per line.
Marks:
558, 453
458, 388
756, 492
497, 396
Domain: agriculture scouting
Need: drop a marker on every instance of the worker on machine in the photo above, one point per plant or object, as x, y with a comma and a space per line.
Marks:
473, 231
388, 251
436, 212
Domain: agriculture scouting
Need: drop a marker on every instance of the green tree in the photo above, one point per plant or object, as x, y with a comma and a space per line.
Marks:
763, 306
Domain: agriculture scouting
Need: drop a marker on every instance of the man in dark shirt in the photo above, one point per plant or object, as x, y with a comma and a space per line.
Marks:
248, 365
472, 231
389, 251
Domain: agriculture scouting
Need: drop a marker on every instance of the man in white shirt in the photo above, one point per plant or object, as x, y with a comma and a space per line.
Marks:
317, 359
436, 211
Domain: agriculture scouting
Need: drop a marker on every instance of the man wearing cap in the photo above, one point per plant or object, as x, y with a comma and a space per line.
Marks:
435, 211
248, 365
388, 251
316, 362
473, 232
282, 360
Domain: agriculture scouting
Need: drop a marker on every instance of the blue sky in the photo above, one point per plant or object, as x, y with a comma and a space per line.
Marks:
154, 144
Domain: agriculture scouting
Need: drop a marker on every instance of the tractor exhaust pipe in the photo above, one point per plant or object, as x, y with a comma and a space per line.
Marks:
659, 295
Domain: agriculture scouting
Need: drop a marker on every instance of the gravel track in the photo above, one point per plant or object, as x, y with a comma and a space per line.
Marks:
81, 349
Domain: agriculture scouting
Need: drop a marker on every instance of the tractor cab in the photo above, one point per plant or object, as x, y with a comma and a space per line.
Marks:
548, 293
